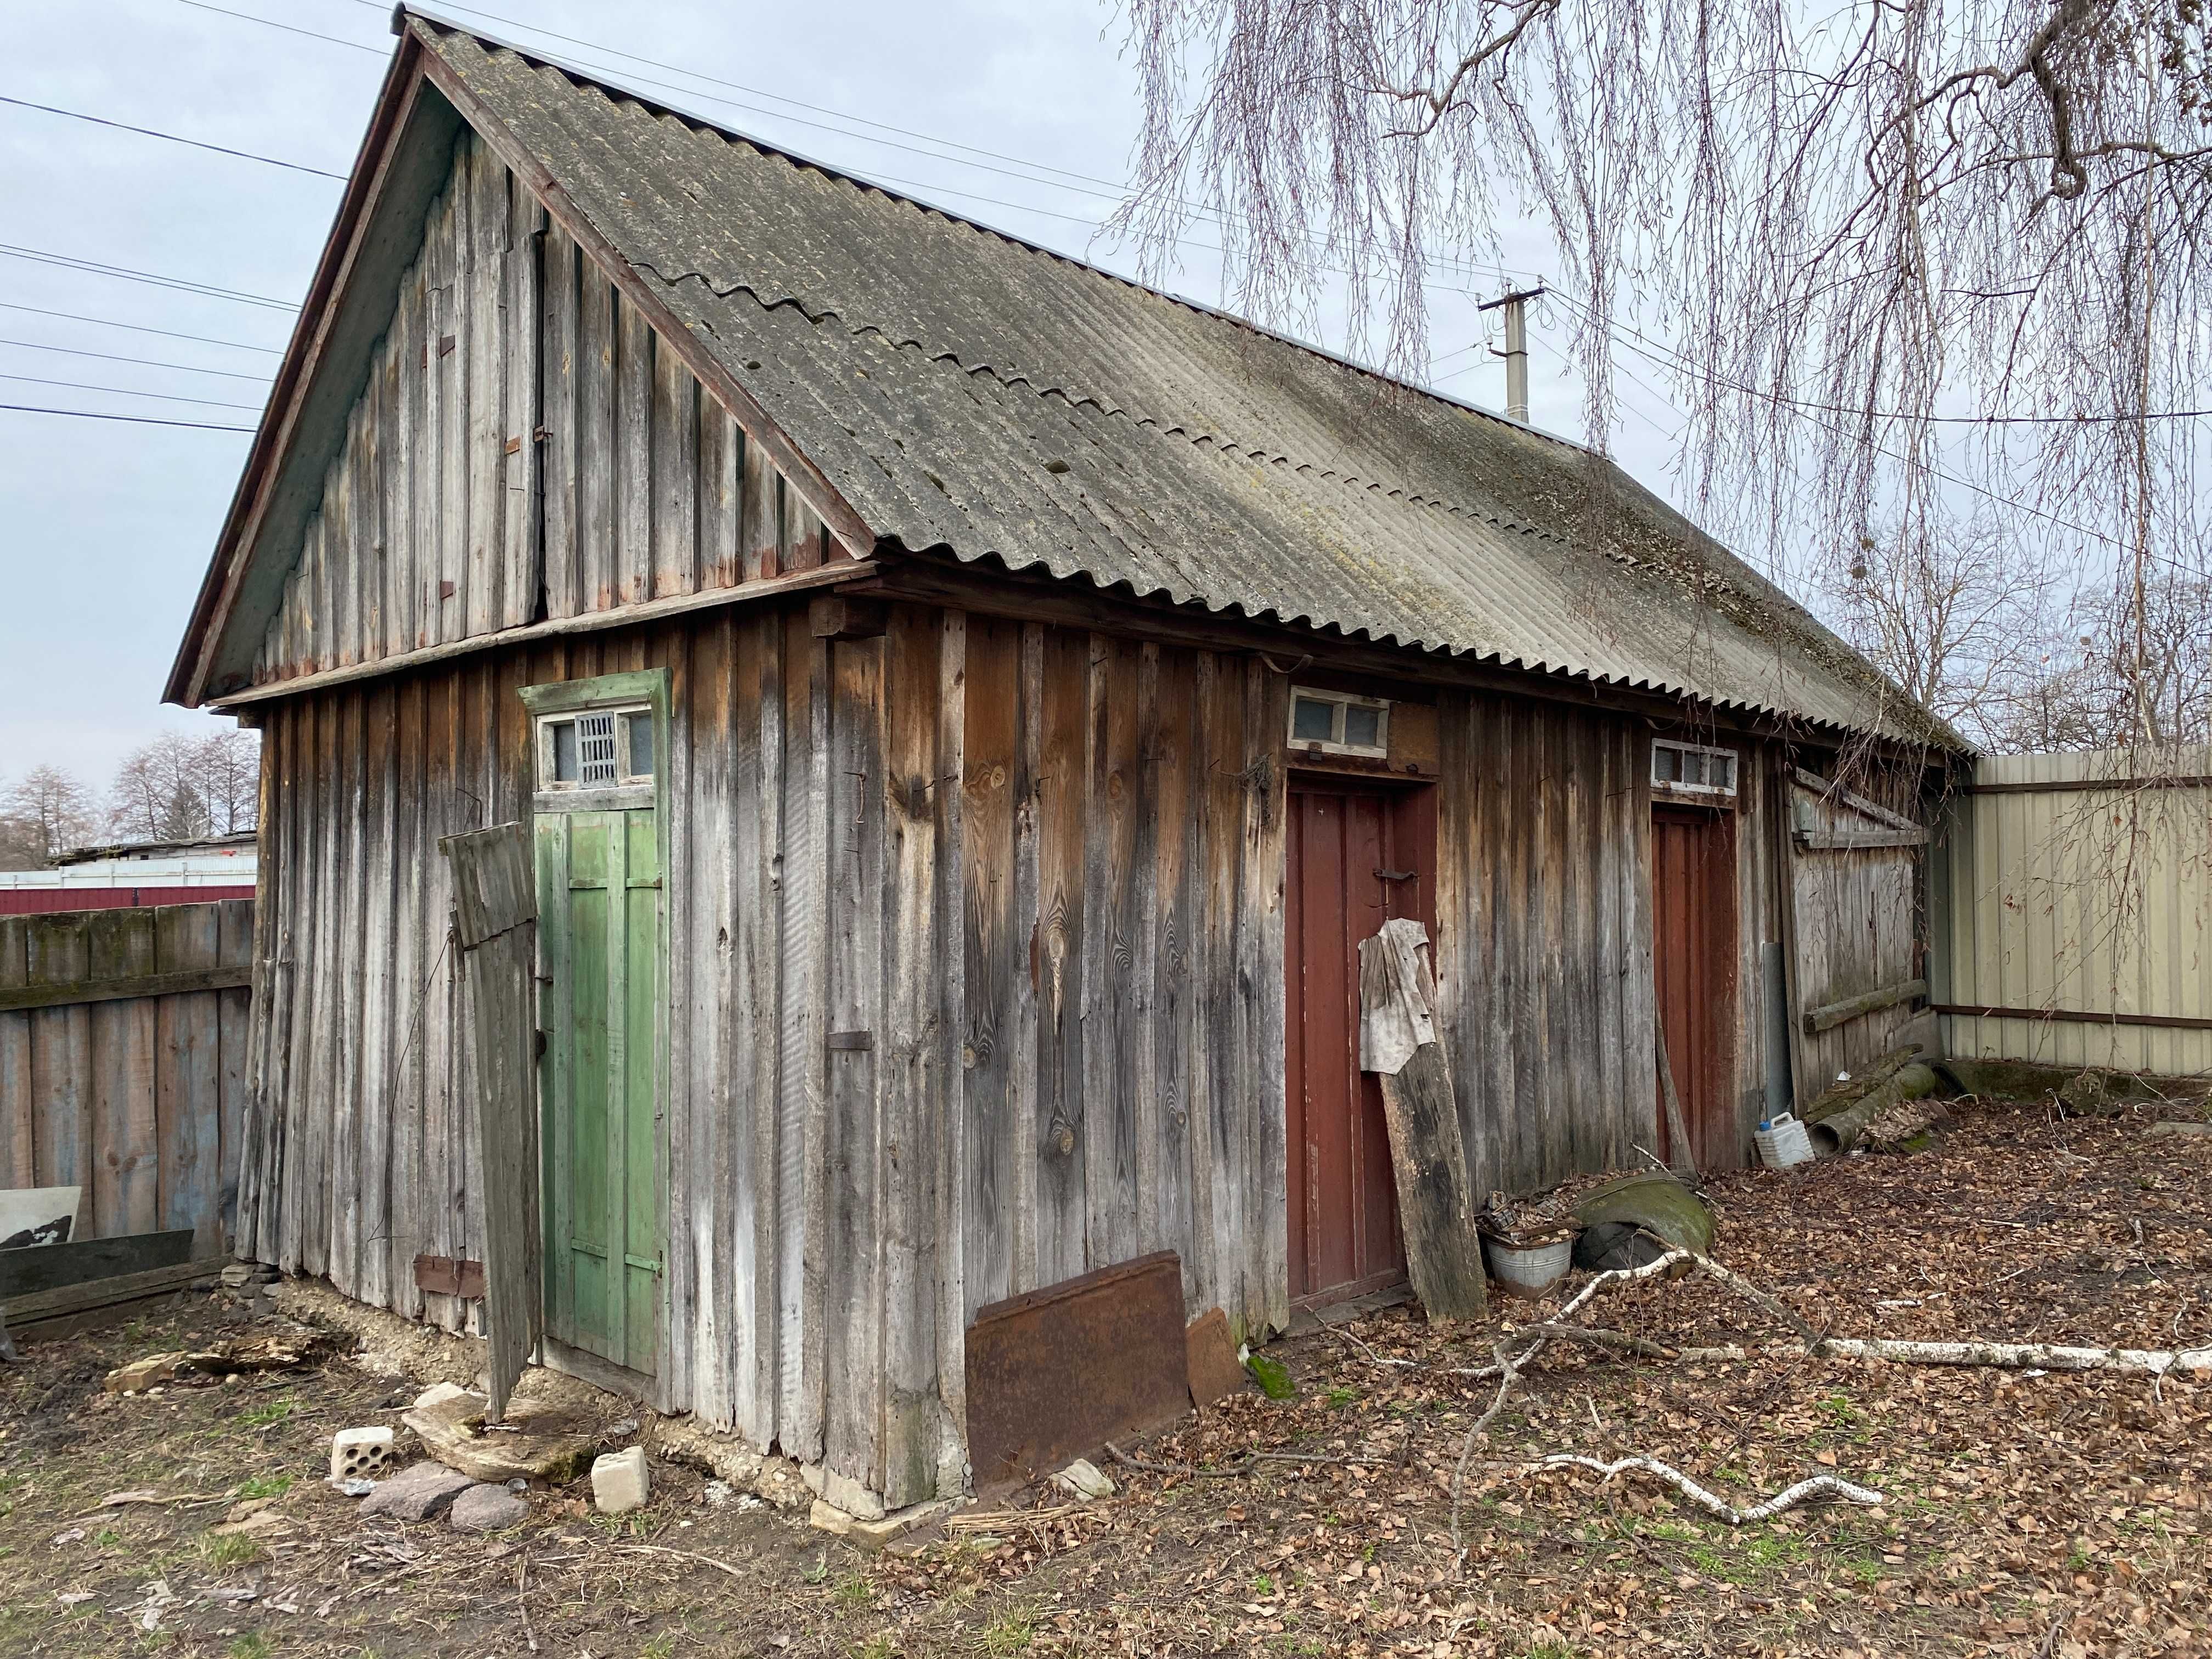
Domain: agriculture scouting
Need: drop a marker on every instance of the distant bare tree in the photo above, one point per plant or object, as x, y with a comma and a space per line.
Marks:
1961, 618
2135, 671
178, 787
230, 779
1886, 253
44, 812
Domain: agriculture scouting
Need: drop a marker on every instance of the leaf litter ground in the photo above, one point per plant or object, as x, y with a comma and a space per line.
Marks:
2061, 1515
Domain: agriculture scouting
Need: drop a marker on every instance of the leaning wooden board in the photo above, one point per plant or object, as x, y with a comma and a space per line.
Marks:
99, 1300
37, 1267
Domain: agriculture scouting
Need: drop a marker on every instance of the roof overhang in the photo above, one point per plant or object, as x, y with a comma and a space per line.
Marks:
405, 159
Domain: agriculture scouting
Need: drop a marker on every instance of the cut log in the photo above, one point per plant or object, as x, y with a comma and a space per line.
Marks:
1436, 1200
1850, 1090
1845, 1129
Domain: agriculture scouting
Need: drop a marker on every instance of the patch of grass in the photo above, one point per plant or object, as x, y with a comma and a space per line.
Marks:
108, 1538
262, 1486
1840, 1411
1263, 1585
1552, 1650
1772, 1550
1677, 1532
251, 1645
269, 1413
1342, 1396
878, 1646
1305, 1646
662, 1646
1866, 1569
225, 1550
852, 1592
1009, 1632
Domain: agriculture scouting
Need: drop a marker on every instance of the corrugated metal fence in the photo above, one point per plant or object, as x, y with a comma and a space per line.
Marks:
2073, 907
123, 1063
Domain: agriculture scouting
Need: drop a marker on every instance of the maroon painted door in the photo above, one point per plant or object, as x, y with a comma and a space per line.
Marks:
1356, 858
1693, 952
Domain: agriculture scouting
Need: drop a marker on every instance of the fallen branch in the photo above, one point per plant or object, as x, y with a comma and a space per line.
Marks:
2016, 1356
1713, 1501
682, 1555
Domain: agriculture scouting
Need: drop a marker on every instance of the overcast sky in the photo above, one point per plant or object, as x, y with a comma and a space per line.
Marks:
105, 527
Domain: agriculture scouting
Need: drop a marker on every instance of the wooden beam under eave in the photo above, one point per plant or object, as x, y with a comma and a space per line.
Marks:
1020, 596
589, 622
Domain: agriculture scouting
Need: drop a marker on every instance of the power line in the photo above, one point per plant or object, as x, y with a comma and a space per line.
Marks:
148, 133
1031, 173
134, 420
141, 328
142, 362
69, 262
312, 35
127, 391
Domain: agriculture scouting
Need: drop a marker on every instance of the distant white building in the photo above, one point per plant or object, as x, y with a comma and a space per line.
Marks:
133, 874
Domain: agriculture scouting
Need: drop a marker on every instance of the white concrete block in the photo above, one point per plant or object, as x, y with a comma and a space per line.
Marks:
365, 1454
620, 1482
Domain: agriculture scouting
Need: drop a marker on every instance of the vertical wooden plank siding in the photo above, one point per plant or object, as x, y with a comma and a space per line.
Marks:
523, 448
1543, 952
137, 1100
973, 965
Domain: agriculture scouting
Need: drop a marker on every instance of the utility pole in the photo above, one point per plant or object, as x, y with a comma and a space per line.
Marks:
1516, 349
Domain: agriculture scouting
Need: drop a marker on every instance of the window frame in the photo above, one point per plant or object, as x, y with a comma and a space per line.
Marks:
1335, 744
628, 697
1702, 792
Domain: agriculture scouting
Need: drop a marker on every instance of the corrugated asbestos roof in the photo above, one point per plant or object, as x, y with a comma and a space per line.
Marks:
934, 370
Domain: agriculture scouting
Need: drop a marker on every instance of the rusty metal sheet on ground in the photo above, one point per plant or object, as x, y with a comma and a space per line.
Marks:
1054, 1373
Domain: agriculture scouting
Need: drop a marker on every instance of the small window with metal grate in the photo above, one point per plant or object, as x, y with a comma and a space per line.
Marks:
1691, 769
595, 749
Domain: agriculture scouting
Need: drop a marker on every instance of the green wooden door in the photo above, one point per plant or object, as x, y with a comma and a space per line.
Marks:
600, 924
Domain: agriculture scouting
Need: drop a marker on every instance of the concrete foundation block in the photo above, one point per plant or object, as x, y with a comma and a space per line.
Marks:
620, 1482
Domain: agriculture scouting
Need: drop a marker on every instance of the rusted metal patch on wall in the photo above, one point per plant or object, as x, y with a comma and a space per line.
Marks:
1055, 1373
445, 1275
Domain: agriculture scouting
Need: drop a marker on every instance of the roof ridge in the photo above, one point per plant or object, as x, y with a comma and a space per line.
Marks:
614, 90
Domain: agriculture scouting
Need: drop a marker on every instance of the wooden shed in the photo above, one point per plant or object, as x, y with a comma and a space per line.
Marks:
968, 708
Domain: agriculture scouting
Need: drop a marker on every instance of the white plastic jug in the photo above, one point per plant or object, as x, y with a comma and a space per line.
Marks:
1783, 1141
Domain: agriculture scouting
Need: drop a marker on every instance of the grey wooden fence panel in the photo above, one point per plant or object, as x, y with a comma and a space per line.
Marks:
136, 1098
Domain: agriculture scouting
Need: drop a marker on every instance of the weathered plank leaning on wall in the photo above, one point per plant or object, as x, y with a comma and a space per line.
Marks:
123, 1063
2080, 903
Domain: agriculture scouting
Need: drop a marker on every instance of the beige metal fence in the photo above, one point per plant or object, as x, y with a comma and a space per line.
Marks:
2072, 908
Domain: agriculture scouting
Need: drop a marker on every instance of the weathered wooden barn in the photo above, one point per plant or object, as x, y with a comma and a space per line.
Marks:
968, 707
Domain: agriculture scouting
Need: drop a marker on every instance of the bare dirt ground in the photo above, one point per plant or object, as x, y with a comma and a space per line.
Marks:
2062, 1515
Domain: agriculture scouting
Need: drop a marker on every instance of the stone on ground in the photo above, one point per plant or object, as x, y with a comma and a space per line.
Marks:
874, 1534
1211, 1354
451, 1431
422, 1492
488, 1509
1084, 1479
620, 1482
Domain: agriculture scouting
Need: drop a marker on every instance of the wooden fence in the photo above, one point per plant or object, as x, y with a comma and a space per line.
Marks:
2072, 899
123, 1067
